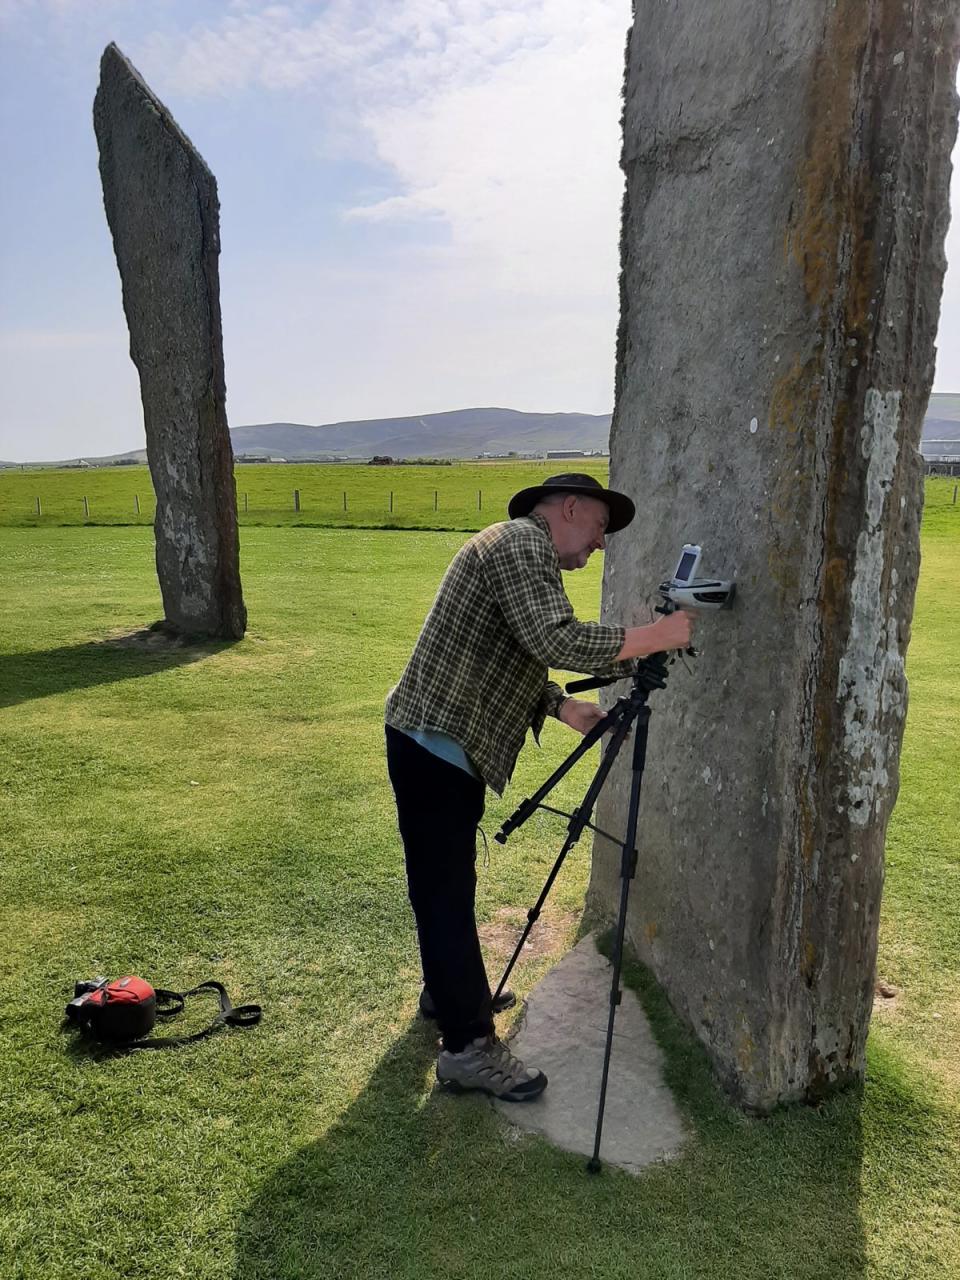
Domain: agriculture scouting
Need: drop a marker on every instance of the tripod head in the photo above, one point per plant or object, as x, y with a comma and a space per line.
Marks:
649, 673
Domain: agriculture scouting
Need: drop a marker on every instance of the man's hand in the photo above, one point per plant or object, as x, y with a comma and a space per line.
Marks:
672, 631
580, 715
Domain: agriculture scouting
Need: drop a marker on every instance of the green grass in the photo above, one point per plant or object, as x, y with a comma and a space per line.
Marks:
225, 813
463, 496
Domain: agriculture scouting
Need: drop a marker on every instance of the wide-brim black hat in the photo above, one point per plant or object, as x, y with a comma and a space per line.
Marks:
621, 507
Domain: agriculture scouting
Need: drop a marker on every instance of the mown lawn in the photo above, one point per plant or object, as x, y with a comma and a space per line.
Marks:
467, 495
225, 813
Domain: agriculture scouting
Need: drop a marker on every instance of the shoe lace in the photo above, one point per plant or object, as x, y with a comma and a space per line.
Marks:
508, 1066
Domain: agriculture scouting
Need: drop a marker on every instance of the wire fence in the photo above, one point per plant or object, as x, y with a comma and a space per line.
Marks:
419, 508
454, 505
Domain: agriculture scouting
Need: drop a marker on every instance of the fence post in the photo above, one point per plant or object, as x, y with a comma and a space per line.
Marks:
39, 511
435, 499
391, 499
136, 503
479, 499
344, 499
954, 495
86, 510
296, 499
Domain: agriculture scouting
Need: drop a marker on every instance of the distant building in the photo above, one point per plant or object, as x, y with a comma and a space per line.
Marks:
565, 453
381, 460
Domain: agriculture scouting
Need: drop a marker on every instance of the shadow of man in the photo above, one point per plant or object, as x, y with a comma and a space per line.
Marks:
412, 1182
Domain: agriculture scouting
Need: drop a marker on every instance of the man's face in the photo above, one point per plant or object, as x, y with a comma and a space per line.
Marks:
582, 530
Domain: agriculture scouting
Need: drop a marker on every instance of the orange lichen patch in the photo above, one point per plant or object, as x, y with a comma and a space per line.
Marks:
794, 403
793, 409
835, 574
783, 569
827, 178
794, 397
651, 929
863, 265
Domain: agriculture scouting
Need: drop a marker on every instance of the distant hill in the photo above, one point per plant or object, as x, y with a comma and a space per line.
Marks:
941, 427
462, 433
468, 433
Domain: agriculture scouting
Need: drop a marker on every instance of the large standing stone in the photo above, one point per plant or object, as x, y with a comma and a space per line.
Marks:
161, 204
782, 251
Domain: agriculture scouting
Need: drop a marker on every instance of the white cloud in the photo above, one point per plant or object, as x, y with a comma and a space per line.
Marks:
522, 165
498, 119
15, 10
500, 122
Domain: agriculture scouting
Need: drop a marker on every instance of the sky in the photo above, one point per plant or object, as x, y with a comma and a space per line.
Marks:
420, 206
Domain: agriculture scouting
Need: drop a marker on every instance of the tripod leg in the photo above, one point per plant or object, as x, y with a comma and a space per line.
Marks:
578, 821
529, 806
628, 867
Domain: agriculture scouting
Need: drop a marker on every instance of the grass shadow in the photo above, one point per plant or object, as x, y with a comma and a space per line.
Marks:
43, 673
413, 1183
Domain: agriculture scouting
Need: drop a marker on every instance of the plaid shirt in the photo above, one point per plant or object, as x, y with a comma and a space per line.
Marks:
479, 670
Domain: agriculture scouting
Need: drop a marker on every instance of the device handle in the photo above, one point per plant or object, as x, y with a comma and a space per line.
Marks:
594, 682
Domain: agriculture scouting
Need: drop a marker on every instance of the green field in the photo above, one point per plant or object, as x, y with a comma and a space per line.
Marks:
224, 812
467, 495
463, 496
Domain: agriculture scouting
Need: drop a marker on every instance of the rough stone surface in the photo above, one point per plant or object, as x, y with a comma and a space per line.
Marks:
563, 1034
161, 205
787, 179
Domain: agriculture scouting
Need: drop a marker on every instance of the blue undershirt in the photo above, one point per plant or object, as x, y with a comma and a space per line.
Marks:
442, 745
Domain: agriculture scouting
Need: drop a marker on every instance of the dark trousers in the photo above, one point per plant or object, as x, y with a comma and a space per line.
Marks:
438, 808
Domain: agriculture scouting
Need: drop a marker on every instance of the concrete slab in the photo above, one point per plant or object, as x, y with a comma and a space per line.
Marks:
563, 1034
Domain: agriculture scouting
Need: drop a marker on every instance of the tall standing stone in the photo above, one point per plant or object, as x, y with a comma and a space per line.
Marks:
787, 180
162, 208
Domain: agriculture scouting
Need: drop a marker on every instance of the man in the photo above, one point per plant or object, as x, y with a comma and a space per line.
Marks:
476, 682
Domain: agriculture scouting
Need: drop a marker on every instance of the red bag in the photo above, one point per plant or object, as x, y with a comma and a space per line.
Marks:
123, 1011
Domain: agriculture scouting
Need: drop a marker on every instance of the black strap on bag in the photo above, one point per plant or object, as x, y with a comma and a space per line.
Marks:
170, 1003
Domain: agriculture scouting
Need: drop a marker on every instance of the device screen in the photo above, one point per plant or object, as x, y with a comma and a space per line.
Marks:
685, 567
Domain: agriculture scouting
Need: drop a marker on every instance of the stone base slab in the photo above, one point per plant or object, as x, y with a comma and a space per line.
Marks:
563, 1034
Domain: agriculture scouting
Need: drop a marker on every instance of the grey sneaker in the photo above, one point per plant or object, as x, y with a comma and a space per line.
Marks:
488, 1065
429, 1010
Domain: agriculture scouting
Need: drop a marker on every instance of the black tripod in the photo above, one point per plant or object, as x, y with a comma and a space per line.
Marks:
650, 674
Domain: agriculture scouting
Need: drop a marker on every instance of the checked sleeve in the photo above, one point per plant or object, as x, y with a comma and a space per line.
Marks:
553, 696
523, 575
